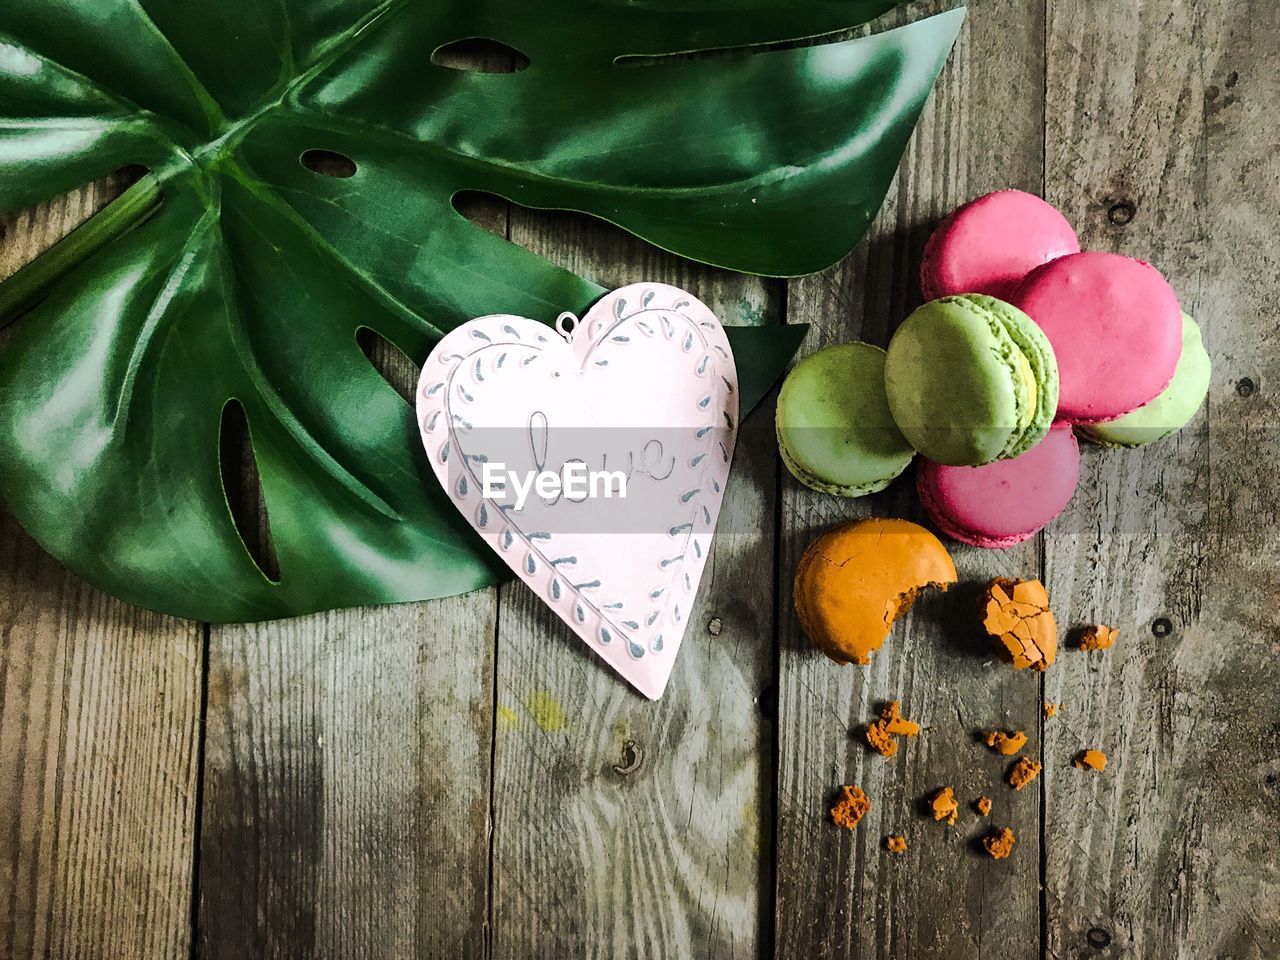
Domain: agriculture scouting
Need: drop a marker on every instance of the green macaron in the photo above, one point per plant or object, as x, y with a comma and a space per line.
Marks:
835, 431
1172, 409
971, 380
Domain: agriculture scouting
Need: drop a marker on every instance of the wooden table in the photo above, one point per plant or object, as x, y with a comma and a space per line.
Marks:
461, 779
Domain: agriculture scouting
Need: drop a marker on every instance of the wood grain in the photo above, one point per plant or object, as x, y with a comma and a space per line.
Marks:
840, 894
1161, 146
99, 719
625, 828
381, 783
346, 784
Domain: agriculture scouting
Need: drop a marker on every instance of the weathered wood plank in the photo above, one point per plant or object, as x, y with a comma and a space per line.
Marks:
1161, 144
625, 828
346, 783
99, 727
839, 894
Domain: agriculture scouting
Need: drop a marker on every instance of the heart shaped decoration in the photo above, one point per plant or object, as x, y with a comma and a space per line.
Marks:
594, 461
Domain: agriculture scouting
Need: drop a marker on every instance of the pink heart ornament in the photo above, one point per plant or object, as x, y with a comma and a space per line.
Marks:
593, 459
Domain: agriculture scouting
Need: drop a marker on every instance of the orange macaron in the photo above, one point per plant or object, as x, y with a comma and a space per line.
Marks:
855, 580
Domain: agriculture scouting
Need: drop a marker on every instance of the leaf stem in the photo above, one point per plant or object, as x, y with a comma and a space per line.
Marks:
27, 287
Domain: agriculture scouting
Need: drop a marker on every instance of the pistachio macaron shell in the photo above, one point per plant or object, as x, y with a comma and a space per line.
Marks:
970, 380
1172, 409
835, 431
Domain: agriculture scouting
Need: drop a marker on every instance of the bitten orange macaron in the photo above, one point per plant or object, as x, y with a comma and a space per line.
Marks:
855, 580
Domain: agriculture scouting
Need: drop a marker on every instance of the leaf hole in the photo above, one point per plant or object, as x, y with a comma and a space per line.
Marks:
392, 363
732, 52
480, 55
486, 210
585, 244
242, 486
329, 163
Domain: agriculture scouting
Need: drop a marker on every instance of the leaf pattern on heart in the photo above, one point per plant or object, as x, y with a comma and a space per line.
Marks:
598, 611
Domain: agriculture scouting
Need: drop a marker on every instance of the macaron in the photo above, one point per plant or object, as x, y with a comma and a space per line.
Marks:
991, 243
835, 431
854, 581
1116, 329
971, 380
1003, 503
1172, 409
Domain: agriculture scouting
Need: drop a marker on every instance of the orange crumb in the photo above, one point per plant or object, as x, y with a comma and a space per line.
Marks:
1091, 760
897, 724
999, 843
1050, 709
1016, 613
945, 806
895, 843
851, 808
1099, 638
880, 734
1004, 741
878, 739
1023, 772
983, 806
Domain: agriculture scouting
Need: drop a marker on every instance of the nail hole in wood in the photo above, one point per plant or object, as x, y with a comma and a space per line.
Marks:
1121, 214
1098, 938
329, 163
1162, 627
632, 757
714, 626
767, 701
1246, 387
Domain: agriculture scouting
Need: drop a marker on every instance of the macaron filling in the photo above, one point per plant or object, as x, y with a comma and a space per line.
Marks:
1026, 388
1032, 360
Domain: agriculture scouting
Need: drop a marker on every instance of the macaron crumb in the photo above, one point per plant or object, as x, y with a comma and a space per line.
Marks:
852, 807
1005, 742
999, 843
1016, 614
1091, 760
983, 806
1098, 637
945, 806
879, 735
1051, 709
895, 843
1023, 772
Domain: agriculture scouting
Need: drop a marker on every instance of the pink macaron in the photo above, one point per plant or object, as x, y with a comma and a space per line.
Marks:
1115, 326
988, 245
1006, 502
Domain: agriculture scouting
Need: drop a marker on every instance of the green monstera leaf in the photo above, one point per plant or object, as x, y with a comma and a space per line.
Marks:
251, 278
